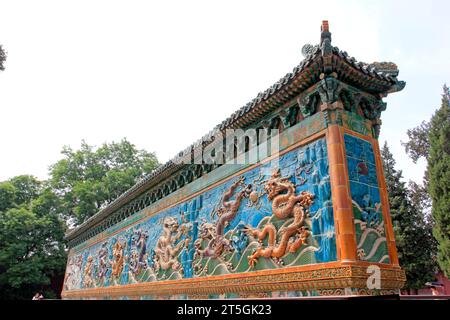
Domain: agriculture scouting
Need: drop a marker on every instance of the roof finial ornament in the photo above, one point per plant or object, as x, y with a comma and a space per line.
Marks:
326, 47
325, 29
325, 42
325, 38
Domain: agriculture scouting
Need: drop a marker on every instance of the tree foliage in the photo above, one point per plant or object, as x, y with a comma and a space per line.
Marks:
7, 195
27, 188
2, 58
431, 140
86, 180
420, 198
32, 250
17, 191
413, 235
418, 145
439, 179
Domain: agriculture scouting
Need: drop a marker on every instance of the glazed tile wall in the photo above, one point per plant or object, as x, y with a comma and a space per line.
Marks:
367, 209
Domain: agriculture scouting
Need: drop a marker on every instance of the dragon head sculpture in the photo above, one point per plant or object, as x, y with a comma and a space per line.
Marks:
277, 185
170, 224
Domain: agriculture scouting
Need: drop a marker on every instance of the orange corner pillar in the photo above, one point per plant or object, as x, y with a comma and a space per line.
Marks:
341, 198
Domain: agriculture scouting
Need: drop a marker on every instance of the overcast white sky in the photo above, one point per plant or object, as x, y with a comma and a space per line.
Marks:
164, 73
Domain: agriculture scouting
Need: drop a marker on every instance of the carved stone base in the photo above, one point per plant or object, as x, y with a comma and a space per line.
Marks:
329, 279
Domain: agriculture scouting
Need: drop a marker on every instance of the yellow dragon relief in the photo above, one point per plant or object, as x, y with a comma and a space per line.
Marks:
118, 260
87, 279
166, 249
285, 204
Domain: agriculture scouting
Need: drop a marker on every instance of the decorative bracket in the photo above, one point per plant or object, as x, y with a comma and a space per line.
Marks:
329, 89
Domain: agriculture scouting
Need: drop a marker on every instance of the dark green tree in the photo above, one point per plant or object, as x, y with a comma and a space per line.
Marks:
27, 188
18, 191
430, 140
2, 58
418, 144
32, 251
7, 195
86, 180
412, 233
439, 179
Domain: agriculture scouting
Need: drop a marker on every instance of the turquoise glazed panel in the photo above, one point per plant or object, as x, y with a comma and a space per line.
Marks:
275, 215
370, 232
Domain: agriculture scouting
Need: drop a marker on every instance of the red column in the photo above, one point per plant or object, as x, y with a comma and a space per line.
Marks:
340, 191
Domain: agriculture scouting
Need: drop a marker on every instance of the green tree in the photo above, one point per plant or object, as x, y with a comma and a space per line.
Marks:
412, 233
86, 180
7, 195
32, 251
430, 140
439, 179
26, 187
18, 191
2, 58
418, 144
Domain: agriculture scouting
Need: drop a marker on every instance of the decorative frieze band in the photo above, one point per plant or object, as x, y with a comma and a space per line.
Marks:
323, 279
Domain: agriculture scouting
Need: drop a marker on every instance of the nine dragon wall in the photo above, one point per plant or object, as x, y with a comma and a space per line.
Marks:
171, 242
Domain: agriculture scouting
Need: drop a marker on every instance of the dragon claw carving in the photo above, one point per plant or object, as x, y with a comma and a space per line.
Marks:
252, 261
